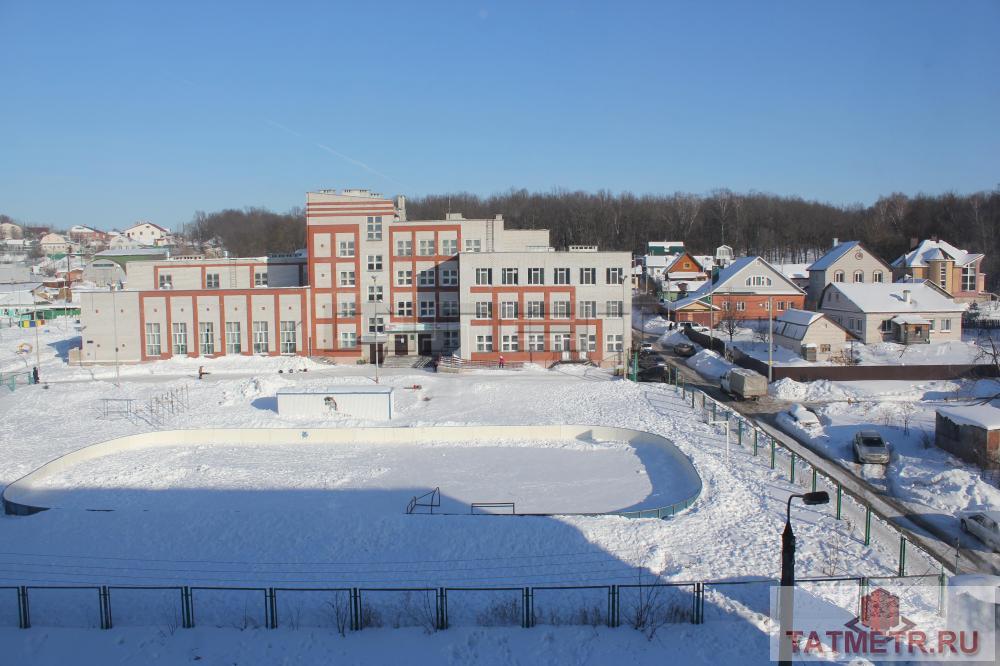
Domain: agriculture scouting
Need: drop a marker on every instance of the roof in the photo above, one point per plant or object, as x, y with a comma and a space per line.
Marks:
889, 297
19, 286
732, 270
336, 390
794, 323
983, 416
690, 300
139, 224
133, 252
833, 255
931, 250
912, 320
800, 317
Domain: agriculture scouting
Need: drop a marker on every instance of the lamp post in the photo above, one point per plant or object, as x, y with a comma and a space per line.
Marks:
376, 331
770, 338
114, 320
786, 598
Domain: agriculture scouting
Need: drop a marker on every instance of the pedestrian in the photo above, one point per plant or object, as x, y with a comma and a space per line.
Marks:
34, 374
501, 361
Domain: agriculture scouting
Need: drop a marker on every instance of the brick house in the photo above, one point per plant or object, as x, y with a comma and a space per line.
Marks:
956, 271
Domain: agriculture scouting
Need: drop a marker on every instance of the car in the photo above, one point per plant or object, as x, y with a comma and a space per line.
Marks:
698, 328
656, 373
984, 526
869, 447
646, 348
652, 361
684, 349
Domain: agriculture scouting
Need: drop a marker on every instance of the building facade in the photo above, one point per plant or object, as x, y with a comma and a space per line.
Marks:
956, 271
849, 261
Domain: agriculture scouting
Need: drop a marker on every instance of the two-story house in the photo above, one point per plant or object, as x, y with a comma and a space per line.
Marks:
956, 271
849, 261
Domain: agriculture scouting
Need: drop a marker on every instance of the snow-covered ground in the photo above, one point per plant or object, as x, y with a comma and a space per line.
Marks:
732, 532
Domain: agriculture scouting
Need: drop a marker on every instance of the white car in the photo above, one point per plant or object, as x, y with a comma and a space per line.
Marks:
800, 417
869, 447
698, 328
983, 526
646, 348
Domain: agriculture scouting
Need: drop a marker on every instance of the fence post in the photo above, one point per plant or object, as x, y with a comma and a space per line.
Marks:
527, 610
902, 555
755, 433
713, 410
792, 468
23, 615
692, 398
187, 607
941, 581
270, 608
814, 480
868, 525
355, 609
615, 617
840, 497
772, 452
862, 591
442, 609
739, 432
105, 603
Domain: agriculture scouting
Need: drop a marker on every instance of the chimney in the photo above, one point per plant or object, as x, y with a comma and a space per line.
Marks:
906, 296
914, 242
715, 274
401, 207
934, 239
836, 242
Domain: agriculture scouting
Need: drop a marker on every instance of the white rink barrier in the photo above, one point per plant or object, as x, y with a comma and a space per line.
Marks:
21, 498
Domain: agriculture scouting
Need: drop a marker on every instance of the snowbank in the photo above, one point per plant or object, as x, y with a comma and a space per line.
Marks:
709, 364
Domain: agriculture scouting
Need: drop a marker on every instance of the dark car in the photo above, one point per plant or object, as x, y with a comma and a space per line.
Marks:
684, 349
652, 361
657, 373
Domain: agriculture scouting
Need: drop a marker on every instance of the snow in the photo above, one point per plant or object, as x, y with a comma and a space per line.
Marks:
983, 416
709, 364
833, 255
891, 297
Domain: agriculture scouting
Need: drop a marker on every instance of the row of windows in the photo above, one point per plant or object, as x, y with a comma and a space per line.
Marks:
558, 309
741, 305
403, 278
511, 276
859, 276
586, 342
212, 281
287, 338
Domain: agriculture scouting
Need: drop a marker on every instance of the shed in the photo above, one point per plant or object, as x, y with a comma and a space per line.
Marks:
365, 402
970, 432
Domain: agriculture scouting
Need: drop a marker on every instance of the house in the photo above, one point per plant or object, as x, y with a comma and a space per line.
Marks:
849, 261
904, 312
9, 230
87, 235
748, 288
812, 335
956, 271
53, 243
970, 432
147, 233
19, 297
682, 274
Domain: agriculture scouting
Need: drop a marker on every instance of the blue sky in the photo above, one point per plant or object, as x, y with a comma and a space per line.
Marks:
113, 112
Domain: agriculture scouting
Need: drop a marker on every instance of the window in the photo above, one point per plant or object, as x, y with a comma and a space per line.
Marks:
945, 325
767, 305
234, 338
758, 281
508, 310
206, 337
426, 278
508, 276
180, 338
427, 309
943, 275
260, 278
166, 281
824, 348
560, 342
484, 310
345, 248
877, 277
780, 305
261, 337
616, 275
614, 342
741, 306
152, 340
449, 246
838, 276
484, 276
587, 309
374, 293
348, 308
588, 342
449, 277
404, 308
473, 245
287, 337
450, 341
536, 276
931, 327
449, 308
535, 309
348, 339
346, 278
374, 262
588, 276
404, 247
859, 276
614, 308
560, 309
404, 278
536, 342
560, 276
211, 280
375, 228
968, 278
484, 343
426, 247
376, 325
509, 343
886, 326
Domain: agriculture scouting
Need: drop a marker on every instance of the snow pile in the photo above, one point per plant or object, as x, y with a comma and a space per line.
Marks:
709, 364
818, 391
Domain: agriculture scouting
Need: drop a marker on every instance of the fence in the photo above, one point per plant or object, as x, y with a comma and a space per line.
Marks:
12, 380
642, 606
455, 364
809, 373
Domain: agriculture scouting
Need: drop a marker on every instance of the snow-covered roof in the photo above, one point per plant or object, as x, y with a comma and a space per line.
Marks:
800, 317
335, 390
931, 250
794, 271
681, 303
912, 320
132, 252
890, 297
983, 416
734, 269
833, 255
657, 260
692, 285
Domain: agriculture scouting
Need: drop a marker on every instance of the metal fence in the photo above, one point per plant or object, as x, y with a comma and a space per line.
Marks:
640, 605
11, 380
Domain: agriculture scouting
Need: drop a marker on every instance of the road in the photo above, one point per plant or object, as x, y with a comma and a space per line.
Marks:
936, 541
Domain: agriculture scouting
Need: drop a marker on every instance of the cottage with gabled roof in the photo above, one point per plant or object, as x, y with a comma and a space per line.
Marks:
956, 271
849, 261
147, 233
812, 335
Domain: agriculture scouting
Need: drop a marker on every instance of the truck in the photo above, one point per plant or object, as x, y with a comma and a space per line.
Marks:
744, 384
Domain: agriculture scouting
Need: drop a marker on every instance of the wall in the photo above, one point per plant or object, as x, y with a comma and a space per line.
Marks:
344, 400
971, 443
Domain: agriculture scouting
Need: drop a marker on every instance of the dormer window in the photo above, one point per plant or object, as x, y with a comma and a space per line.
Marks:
758, 281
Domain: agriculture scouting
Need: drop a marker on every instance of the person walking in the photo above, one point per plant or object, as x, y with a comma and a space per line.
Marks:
501, 361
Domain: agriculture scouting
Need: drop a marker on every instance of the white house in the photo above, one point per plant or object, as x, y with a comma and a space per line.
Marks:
904, 312
54, 244
147, 233
812, 335
849, 261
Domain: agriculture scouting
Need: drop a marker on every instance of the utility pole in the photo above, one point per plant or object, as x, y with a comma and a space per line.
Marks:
770, 338
114, 320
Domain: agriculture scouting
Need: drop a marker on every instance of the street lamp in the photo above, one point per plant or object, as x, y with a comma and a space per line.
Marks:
786, 598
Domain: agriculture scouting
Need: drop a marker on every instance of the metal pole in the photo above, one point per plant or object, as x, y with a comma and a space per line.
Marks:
114, 321
786, 598
868, 525
770, 338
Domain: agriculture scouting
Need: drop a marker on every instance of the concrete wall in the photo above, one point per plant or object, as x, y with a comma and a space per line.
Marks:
21, 497
338, 400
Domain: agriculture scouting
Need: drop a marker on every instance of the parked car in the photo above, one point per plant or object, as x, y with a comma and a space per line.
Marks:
984, 526
698, 328
646, 348
744, 384
652, 361
656, 373
800, 417
869, 447
684, 349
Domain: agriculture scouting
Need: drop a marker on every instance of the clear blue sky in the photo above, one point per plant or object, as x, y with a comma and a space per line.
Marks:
116, 111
